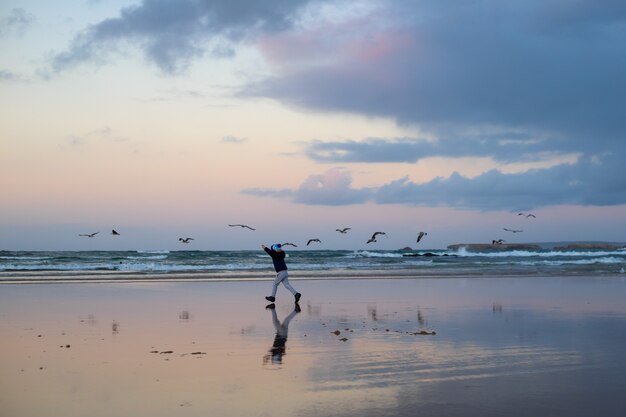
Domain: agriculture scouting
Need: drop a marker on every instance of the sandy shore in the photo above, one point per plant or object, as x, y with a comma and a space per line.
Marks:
511, 346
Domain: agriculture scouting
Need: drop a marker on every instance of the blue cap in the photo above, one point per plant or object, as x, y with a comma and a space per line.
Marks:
277, 246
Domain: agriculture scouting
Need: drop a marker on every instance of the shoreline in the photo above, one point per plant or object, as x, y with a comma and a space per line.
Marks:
57, 277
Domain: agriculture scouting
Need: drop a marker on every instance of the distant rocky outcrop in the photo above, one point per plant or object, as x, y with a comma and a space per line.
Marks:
603, 246
481, 247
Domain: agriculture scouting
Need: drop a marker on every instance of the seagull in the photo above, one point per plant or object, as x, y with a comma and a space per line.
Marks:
185, 240
512, 230
114, 233
90, 234
373, 238
313, 240
527, 215
290, 244
241, 225
498, 242
420, 236
343, 231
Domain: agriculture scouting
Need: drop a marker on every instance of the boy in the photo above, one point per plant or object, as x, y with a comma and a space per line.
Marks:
278, 258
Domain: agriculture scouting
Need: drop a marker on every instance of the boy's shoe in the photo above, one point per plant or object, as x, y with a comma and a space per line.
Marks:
270, 306
298, 295
270, 298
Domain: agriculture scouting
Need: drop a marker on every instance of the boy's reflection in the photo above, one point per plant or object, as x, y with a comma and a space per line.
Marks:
275, 354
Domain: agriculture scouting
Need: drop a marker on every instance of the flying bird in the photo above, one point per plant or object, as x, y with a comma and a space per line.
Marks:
420, 236
185, 240
373, 238
90, 234
344, 230
242, 226
114, 233
313, 240
527, 215
498, 242
290, 244
512, 230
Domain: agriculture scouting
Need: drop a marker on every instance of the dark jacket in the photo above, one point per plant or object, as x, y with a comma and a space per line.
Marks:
278, 258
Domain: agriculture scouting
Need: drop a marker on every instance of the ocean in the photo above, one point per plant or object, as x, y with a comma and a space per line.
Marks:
61, 266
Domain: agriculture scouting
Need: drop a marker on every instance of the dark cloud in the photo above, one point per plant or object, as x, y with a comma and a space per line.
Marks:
517, 64
548, 77
590, 181
7, 75
583, 183
513, 64
174, 32
16, 22
504, 147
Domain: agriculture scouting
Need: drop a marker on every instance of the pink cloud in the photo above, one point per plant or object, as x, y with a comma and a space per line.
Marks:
359, 47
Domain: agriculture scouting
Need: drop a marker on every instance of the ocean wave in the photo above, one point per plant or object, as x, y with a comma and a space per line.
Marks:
154, 257
590, 261
462, 252
163, 262
58, 267
368, 254
26, 258
132, 267
154, 251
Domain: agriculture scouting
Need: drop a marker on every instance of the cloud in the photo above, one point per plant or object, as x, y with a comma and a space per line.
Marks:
233, 139
501, 146
16, 22
332, 188
7, 75
589, 181
514, 81
104, 134
172, 33
447, 64
583, 183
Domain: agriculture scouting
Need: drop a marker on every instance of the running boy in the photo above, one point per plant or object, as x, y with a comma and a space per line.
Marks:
278, 258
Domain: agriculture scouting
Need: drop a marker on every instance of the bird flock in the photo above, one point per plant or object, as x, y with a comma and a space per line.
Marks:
514, 231
343, 231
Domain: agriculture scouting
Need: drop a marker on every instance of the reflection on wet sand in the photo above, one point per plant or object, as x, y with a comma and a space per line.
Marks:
359, 348
279, 347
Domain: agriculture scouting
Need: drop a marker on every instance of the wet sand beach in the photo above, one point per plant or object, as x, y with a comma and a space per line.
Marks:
515, 346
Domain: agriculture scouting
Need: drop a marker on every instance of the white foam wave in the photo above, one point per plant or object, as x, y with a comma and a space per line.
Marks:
26, 258
57, 267
590, 261
131, 267
154, 251
154, 257
462, 252
368, 254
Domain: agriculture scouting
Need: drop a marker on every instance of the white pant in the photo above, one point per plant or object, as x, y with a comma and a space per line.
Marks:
283, 277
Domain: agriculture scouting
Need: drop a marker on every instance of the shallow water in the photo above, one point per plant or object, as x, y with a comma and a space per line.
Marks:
502, 346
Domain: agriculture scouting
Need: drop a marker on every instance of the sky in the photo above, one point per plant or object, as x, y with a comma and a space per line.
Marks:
174, 118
